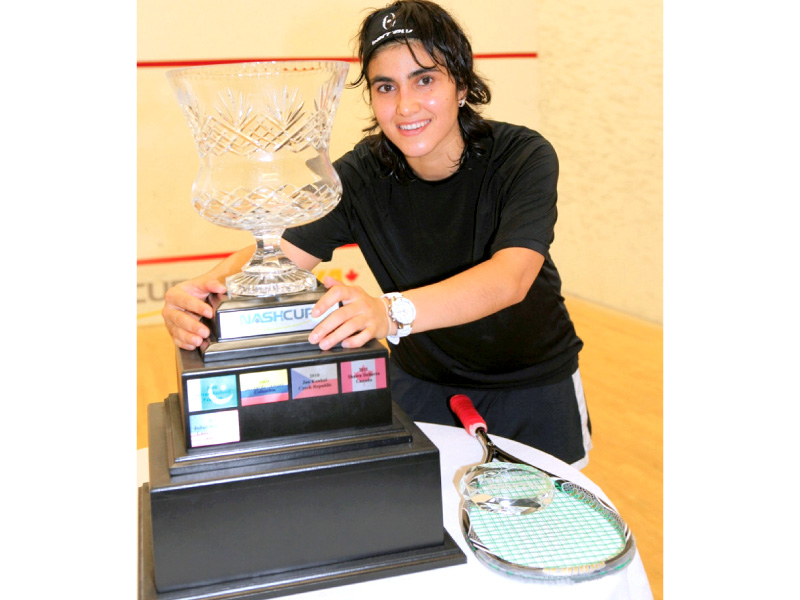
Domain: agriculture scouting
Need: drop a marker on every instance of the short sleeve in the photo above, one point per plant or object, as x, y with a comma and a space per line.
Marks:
528, 192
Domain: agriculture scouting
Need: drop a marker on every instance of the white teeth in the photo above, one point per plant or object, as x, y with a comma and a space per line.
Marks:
413, 126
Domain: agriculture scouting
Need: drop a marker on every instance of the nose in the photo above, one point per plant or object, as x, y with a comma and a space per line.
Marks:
407, 103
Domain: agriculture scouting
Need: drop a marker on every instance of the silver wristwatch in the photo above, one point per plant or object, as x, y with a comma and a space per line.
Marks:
402, 312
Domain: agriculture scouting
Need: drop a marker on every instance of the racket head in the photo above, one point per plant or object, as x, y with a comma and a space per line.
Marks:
577, 538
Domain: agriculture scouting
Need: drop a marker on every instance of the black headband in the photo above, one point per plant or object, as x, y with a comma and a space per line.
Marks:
383, 27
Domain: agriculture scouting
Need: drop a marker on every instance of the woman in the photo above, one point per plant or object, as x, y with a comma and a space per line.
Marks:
455, 216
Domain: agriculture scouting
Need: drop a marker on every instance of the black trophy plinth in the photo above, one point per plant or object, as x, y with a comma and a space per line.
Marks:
284, 473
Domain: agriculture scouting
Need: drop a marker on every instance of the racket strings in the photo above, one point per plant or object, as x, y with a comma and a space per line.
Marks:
569, 534
594, 503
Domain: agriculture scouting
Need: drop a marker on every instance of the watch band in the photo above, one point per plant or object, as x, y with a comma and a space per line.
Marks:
402, 312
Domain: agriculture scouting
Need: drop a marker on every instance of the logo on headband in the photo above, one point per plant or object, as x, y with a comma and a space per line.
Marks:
388, 21
389, 28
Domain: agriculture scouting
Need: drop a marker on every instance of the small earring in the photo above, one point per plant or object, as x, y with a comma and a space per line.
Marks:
462, 102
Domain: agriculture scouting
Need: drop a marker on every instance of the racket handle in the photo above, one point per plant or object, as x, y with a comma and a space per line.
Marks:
466, 413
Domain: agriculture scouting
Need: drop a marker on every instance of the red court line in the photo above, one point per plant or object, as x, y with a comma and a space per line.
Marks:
220, 61
143, 64
507, 55
173, 259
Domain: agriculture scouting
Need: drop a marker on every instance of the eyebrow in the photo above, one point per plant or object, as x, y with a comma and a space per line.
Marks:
412, 75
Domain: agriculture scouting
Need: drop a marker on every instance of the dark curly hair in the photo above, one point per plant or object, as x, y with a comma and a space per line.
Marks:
449, 47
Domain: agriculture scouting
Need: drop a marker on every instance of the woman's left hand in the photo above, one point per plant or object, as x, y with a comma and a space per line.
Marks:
360, 318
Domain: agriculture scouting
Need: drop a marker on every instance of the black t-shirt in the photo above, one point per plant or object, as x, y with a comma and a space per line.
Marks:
421, 232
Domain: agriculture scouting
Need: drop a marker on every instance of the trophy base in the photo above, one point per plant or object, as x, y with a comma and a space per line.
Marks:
263, 285
275, 521
294, 582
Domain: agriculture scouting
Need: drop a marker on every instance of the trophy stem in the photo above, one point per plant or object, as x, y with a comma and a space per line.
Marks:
270, 272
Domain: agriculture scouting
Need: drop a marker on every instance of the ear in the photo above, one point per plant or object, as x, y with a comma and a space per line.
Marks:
462, 96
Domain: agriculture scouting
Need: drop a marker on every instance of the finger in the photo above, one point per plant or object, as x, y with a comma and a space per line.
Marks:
189, 300
357, 340
184, 345
214, 286
329, 281
341, 325
330, 324
185, 326
197, 309
340, 334
184, 339
334, 295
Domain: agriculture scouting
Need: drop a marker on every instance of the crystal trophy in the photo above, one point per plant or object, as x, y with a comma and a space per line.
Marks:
278, 468
262, 131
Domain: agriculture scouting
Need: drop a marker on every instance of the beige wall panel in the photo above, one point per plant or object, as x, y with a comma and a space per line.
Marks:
600, 82
189, 29
192, 29
513, 82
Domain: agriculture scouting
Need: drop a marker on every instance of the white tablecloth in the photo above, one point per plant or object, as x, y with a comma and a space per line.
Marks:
458, 451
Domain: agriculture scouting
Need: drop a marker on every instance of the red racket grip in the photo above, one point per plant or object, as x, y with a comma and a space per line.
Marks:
466, 413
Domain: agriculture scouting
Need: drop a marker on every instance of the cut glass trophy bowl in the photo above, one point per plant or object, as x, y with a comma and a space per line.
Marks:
262, 130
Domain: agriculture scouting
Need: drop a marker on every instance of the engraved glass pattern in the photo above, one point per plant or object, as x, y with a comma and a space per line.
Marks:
262, 131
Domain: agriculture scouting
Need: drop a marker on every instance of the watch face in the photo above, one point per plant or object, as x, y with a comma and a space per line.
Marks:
403, 311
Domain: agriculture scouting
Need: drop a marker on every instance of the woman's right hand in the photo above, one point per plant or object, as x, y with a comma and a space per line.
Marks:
184, 305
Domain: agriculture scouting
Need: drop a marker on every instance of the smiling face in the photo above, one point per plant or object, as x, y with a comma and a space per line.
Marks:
417, 109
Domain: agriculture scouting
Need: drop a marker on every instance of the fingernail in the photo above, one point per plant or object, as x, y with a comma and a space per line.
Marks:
313, 338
